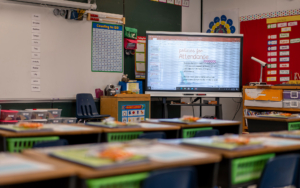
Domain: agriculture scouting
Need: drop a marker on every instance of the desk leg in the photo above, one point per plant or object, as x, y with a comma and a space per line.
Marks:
165, 107
72, 182
99, 138
3, 146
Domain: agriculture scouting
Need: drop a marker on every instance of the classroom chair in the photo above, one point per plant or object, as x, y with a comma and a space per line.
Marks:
86, 108
61, 142
185, 177
154, 135
204, 133
281, 172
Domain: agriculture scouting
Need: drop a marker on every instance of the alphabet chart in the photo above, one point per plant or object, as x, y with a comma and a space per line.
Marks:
107, 47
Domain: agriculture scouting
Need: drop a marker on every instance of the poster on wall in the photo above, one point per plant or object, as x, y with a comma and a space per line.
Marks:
133, 113
224, 21
140, 58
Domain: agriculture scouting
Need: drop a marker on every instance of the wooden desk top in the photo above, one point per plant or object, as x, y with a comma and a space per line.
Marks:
88, 173
93, 130
60, 170
127, 96
273, 119
169, 128
233, 123
246, 153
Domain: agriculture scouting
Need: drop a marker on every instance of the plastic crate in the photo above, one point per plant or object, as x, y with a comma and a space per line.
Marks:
18, 144
54, 120
189, 133
248, 168
124, 181
69, 120
55, 113
121, 137
294, 126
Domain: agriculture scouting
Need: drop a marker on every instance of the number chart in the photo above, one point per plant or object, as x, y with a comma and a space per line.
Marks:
107, 47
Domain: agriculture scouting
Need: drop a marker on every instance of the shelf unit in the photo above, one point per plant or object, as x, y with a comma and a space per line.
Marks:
267, 108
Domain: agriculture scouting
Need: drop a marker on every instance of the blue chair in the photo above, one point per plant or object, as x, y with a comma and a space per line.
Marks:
280, 171
86, 108
154, 135
204, 133
185, 177
61, 142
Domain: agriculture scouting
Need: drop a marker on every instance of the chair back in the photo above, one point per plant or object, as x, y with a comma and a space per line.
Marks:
280, 171
85, 106
204, 133
61, 142
154, 135
185, 177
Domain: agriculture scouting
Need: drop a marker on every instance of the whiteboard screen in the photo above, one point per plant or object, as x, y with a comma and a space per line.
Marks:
61, 59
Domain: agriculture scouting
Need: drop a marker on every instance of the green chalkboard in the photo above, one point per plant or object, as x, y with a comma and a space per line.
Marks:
146, 15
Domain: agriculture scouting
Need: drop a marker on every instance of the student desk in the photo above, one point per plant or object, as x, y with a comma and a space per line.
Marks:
263, 124
234, 163
224, 126
62, 175
125, 134
74, 137
206, 167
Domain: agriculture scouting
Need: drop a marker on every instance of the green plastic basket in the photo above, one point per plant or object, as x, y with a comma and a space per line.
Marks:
130, 33
124, 181
294, 126
248, 168
189, 133
121, 137
18, 144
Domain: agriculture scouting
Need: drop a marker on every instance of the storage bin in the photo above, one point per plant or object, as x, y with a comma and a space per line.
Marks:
8, 121
69, 119
55, 113
291, 104
123, 181
38, 120
189, 133
19, 144
291, 94
248, 168
24, 115
8, 115
122, 137
54, 120
38, 114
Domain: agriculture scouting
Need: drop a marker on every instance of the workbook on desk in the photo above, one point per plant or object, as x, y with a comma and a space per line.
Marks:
101, 156
287, 134
178, 120
101, 124
11, 165
221, 143
14, 128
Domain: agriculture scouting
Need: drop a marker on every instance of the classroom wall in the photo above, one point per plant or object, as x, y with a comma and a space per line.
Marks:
249, 7
191, 22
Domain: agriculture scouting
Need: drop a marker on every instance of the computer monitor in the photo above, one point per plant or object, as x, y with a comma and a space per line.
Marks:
180, 64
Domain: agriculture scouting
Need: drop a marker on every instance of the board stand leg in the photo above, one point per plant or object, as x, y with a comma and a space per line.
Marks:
165, 107
218, 109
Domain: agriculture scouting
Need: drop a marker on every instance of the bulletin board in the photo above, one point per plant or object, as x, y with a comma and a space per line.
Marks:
274, 41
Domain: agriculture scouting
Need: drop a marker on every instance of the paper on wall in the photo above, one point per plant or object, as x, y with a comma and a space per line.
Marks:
140, 57
140, 67
140, 47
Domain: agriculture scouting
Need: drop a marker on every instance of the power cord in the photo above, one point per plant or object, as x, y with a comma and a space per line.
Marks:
239, 104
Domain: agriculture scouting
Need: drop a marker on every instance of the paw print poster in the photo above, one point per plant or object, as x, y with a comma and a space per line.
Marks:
133, 113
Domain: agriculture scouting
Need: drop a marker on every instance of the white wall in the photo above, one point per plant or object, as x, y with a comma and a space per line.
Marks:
249, 7
191, 22
191, 17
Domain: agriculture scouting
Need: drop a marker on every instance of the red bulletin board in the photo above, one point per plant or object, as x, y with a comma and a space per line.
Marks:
262, 40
